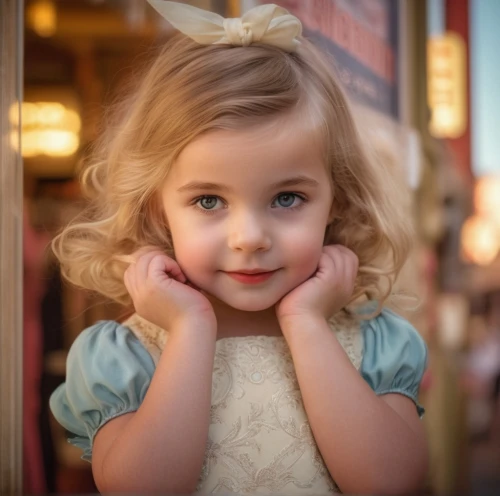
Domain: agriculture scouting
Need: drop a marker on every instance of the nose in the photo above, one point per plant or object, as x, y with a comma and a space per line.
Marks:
248, 232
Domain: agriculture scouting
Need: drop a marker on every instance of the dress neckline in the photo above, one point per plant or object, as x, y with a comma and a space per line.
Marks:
255, 336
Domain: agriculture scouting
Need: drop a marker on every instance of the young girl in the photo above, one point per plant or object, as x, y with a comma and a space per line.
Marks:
232, 206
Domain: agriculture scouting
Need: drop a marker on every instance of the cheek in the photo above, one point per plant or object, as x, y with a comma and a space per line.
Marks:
304, 251
194, 252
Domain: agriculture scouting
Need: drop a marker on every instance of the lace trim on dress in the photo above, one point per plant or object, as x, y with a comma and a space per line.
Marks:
345, 326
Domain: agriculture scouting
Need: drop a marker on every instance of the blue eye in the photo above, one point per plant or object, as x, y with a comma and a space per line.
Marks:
286, 200
208, 202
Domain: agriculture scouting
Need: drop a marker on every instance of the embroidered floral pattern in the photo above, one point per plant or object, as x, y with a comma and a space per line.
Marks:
260, 440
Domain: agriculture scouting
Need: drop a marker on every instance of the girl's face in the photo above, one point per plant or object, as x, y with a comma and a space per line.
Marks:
247, 211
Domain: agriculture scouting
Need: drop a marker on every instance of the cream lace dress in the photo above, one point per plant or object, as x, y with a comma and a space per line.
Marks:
259, 440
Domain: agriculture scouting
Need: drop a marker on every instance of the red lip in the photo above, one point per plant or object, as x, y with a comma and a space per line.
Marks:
251, 276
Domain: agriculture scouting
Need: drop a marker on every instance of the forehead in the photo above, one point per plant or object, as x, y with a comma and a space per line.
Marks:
270, 151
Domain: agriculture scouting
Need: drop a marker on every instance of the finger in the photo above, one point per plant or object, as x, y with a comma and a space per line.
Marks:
355, 266
142, 264
333, 253
327, 265
340, 248
344, 257
161, 265
350, 271
351, 263
344, 263
339, 262
351, 257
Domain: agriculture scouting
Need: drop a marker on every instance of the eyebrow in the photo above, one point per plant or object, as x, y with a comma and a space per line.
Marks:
292, 181
296, 181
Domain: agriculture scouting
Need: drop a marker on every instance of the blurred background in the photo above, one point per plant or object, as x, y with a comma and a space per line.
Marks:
424, 78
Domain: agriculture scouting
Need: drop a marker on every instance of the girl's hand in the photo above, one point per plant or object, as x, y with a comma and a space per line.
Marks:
327, 291
161, 294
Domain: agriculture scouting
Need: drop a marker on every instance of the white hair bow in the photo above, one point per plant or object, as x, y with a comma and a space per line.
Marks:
268, 24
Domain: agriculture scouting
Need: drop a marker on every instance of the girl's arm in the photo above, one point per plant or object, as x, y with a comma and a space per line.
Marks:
370, 444
161, 447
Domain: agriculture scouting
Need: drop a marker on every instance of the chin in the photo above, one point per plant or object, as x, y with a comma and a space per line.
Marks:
247, 303
251, 306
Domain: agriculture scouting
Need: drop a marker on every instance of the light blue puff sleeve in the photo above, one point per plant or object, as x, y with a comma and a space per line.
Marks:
108, 374
394, 356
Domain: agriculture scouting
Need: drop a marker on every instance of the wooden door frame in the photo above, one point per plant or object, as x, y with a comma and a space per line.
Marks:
11, 248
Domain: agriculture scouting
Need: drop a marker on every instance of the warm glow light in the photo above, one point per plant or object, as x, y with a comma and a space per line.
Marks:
30, 144
48, 128
29, 114
487, 197
42, 17
446, 85
480, 240
56, 143
50, 114
72, 120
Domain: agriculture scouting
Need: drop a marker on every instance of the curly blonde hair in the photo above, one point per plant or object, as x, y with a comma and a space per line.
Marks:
191, 89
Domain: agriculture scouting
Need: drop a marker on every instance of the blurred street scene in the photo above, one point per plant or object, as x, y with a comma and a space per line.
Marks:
423, 76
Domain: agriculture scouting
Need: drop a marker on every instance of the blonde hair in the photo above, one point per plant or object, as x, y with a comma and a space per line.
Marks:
191, 89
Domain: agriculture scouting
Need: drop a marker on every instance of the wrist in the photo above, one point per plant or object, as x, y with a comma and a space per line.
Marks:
303, 330
301, 322
198, 325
